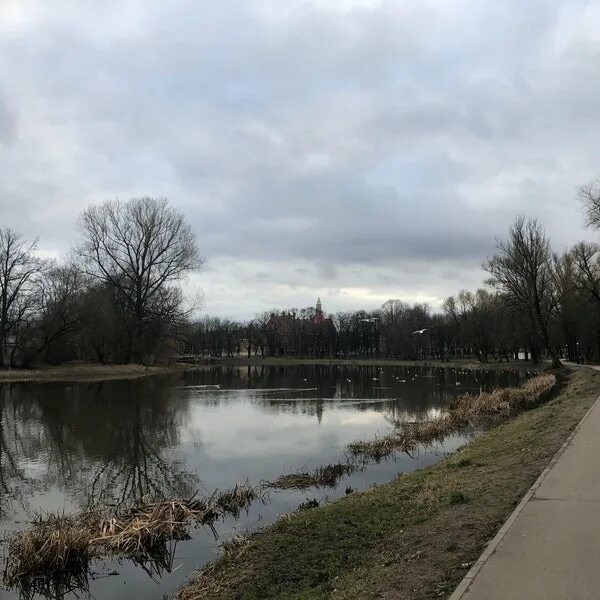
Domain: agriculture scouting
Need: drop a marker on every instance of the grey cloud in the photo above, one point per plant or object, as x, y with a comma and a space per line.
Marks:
307, 144
8, 125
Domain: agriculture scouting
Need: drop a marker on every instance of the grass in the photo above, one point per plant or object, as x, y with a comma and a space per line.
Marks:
97, 372
462, 363
87, 372
310, 503
60, 547
327, 476
413, 538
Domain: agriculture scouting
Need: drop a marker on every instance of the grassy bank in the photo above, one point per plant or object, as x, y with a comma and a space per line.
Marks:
95, 372
87, 372
289, 361
414, 537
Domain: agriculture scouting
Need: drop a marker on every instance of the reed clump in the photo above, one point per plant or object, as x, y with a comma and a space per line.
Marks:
233, 501
465, 410
381, 446
327, 476
57, 544
499, 400
142, 529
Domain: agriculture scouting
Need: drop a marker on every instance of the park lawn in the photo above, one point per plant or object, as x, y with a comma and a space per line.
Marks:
290, 361
87, 372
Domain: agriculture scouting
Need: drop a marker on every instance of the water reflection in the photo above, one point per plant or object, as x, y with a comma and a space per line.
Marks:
98, 442
69, 446
12, 478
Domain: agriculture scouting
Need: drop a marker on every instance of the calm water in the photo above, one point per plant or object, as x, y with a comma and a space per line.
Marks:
64, 446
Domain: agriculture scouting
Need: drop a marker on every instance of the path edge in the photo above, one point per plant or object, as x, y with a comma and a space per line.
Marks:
464, 585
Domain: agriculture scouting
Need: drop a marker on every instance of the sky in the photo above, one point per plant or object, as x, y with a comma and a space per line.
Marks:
356, 150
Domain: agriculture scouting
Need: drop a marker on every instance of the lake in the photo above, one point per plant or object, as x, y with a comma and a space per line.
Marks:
65, 446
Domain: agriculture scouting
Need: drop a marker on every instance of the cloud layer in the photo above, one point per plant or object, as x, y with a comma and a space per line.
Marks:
353, 149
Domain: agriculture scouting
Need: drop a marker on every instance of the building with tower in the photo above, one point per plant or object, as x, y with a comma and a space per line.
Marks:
301, 333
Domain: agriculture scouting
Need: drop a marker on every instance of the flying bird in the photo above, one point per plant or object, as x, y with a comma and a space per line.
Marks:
421, 331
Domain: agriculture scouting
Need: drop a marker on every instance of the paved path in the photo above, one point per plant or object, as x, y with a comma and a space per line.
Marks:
549, 549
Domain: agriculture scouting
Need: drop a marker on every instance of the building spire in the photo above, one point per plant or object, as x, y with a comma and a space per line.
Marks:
319, 308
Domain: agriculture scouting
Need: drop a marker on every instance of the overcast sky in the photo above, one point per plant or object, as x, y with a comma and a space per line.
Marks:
359, 150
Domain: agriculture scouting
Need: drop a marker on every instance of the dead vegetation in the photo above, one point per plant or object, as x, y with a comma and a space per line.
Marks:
414, 537
233, 501
59, 546
466, 410
327, 476
233, 548
504, 400
89, 372
56, 543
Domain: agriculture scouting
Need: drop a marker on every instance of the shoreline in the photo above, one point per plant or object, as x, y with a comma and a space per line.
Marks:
414, 537
88, 372
275, 361
96, 372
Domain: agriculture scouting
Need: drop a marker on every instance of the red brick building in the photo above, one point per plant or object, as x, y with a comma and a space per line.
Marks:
308, 333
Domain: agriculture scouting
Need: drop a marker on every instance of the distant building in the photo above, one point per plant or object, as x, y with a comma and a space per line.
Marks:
308, 333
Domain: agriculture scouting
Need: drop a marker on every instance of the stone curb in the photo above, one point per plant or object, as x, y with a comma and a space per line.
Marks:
463, 586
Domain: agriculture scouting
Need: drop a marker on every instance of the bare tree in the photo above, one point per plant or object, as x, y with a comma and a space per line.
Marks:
589, 194
20, 271
587, 259
60, 296
139, 248
567, 281
523, 270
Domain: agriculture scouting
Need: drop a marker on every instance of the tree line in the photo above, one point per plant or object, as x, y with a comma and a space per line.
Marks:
117, 299
536, 303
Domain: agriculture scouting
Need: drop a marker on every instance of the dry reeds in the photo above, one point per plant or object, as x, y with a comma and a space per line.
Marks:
327, 476
236, 546
51, 544
232, 502
532, 392
59, 544
380, 447
464, 410
142, 529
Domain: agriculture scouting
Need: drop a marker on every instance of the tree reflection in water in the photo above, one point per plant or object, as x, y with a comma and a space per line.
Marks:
14, 440
110, 442
99, 444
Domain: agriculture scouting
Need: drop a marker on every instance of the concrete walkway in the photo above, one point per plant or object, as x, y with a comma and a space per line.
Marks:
549, 549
